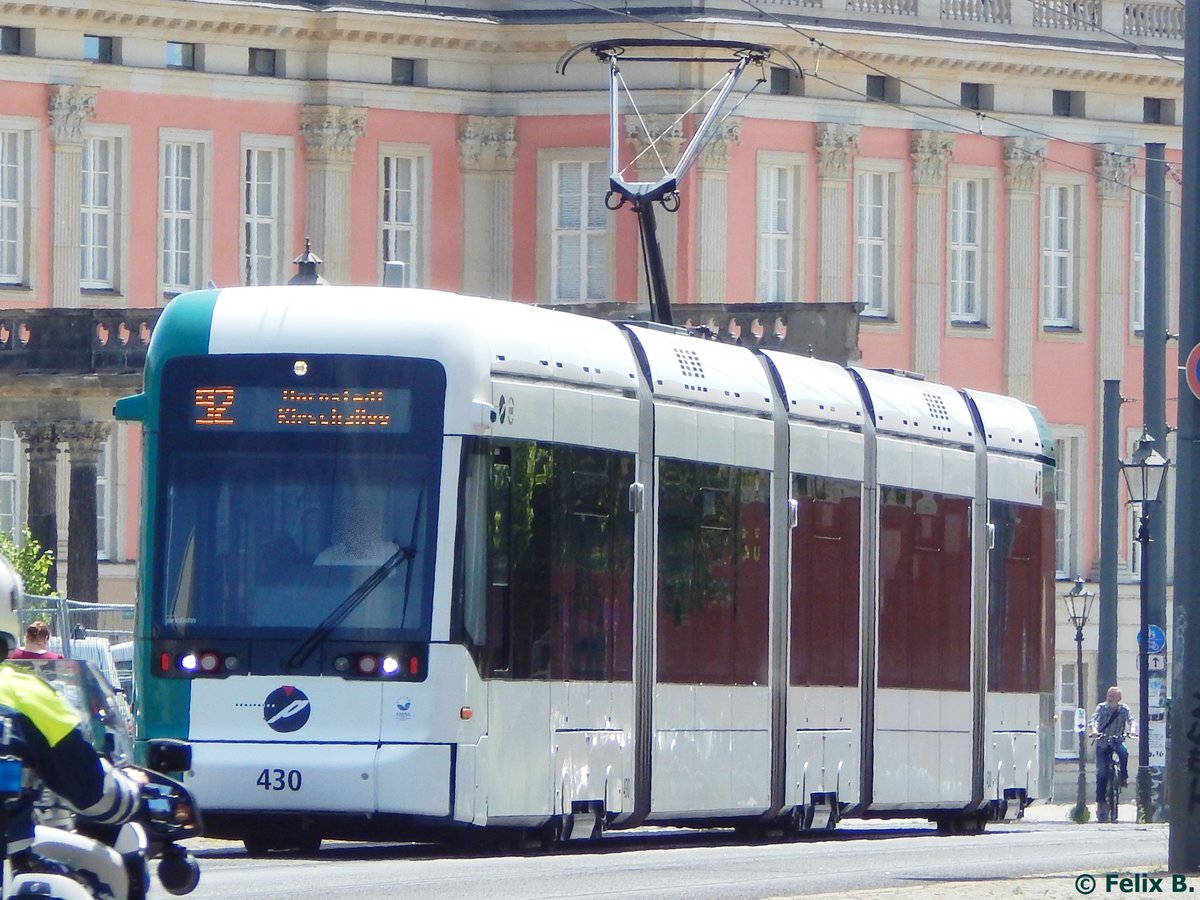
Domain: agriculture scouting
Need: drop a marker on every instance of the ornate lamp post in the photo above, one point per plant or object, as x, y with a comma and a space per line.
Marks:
1079, 609
1145, 472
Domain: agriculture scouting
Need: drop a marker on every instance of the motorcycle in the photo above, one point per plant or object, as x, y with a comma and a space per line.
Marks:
74, 859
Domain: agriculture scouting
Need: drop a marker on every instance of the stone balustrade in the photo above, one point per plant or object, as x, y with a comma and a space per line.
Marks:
75, 341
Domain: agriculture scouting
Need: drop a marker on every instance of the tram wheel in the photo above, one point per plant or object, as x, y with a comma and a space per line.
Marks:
961, 823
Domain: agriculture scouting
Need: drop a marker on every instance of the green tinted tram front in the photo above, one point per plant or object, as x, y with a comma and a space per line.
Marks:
297, 511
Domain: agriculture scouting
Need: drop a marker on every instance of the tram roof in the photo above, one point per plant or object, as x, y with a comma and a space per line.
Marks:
1011, 426
817, 390
913, 408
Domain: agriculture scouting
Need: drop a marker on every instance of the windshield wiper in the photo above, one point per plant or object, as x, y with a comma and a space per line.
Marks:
318, 635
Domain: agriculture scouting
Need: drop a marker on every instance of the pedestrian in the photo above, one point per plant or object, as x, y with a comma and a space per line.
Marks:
37, 640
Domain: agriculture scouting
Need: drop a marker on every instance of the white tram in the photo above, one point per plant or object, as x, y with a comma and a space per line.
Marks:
620, 575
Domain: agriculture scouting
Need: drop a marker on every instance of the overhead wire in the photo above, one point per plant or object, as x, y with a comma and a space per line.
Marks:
980, 114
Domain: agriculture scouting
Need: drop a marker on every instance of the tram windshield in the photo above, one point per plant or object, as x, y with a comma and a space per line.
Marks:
265, 532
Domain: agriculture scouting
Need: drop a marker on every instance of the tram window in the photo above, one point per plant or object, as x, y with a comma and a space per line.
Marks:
713, 574
1017, 609
559, 537
825, 597
924, 591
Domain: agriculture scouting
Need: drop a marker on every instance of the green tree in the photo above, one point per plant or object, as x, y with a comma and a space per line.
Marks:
30, 560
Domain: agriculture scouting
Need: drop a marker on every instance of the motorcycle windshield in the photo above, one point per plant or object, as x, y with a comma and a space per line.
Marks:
105, 720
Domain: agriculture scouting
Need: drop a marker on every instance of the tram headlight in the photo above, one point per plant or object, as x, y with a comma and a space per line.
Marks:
188, 662
390, 665
367, 664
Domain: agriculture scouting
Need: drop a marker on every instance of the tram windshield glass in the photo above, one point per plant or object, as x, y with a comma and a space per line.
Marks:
278, 500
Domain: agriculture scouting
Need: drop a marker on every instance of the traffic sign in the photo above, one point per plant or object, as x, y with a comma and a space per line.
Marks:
1192, 370
1158, 639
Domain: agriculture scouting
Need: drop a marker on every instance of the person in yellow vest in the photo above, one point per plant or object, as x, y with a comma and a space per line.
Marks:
41, 729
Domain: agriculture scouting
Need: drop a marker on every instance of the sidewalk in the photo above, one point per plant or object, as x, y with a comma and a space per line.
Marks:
1032, 887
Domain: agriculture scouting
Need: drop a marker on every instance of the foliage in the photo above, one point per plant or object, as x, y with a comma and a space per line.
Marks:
30, 560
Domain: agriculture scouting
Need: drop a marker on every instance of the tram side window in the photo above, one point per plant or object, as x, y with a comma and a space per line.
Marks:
713, 574
826, 561
924, 590
1017, 608
556, 585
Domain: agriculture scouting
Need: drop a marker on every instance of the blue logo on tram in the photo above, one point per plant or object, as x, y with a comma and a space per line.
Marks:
286, 709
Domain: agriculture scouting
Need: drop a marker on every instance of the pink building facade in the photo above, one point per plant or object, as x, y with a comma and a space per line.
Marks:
971, 173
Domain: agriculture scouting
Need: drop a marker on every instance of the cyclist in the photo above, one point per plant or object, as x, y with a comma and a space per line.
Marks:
1109, 727
37, 726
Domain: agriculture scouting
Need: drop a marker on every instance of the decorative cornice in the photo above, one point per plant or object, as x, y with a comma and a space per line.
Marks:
331, 132
1023, 161
70, 106
719, 145
664, 132
931, 150
487, 143
1113, 165
836, 146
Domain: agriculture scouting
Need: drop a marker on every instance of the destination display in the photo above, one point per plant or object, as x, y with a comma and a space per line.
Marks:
226, 407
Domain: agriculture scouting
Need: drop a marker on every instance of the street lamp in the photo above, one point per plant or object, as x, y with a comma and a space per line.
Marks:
1145, 472
1079, 609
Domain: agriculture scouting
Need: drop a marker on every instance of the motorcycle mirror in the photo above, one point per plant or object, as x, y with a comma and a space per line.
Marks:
168, 755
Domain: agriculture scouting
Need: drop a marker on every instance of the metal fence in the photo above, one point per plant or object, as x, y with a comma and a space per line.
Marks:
75, 620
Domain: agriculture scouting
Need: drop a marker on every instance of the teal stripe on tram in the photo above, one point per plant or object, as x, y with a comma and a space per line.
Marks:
183, 329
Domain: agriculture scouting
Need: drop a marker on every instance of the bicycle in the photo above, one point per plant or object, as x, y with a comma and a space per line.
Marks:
1111, 792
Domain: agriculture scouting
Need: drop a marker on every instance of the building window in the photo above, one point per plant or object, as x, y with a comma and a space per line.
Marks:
579, 240
976, 96
776, 234
179, 205
1137, 264
1064, 493
181, 56
262, 215
1158, 111
104, 500
98, 48
966, 250
1068, 103
97, 215
264, 62
1058, 268
1068, 703
786, 82
401, 201
10, 40
12, 211
883, 87
872, 276
409, 71
10, 475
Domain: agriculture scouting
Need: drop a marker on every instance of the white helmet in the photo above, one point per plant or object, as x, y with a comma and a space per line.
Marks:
12, 592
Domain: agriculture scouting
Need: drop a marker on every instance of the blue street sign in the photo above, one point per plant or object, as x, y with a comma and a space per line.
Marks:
1158, 640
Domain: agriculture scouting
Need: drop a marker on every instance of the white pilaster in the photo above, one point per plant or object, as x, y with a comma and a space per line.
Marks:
713, 169
1023, 162
836, 146
70, 107
1113, 166
487, 158
330, 136
931, 151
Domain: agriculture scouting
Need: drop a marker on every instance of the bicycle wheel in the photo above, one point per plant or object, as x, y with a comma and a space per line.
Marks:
1113, 792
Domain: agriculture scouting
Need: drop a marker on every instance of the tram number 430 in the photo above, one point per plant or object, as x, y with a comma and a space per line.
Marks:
279, 780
